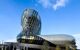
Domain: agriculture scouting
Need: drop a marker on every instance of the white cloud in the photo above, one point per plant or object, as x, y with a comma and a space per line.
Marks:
55, 4
59, 3
45, 3
77, 37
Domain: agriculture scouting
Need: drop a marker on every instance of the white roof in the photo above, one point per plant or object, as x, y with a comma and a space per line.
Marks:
58, 39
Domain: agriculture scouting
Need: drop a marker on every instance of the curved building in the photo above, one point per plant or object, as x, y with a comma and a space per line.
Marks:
31, 25
61, 40
31, 22
30, 39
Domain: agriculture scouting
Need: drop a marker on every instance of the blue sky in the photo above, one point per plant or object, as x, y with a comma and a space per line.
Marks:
57, 17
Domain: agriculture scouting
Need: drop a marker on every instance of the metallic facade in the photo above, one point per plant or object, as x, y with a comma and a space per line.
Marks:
30, 39
31, 22
61, 39
31, 26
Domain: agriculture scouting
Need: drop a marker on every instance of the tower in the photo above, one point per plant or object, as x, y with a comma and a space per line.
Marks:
31, 25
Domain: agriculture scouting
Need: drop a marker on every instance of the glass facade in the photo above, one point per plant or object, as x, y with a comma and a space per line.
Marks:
31, 22
31, 25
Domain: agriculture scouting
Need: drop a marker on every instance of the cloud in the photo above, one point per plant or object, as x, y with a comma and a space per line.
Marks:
45, 3
77, 37
55, 4
59, 3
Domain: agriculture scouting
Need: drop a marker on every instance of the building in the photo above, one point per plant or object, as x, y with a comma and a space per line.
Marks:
30, 39
62, 41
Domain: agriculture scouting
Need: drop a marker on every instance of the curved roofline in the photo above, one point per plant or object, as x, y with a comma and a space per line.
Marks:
59, 35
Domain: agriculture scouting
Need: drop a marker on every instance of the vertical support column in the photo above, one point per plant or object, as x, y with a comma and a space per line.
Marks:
67, 48
13, 47
58, 47
2, 47
24, 48
74, 48
5, 48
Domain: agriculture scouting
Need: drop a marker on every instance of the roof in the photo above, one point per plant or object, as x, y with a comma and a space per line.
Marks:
59, 38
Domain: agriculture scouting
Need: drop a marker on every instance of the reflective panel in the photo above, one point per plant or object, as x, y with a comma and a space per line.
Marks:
31, 24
